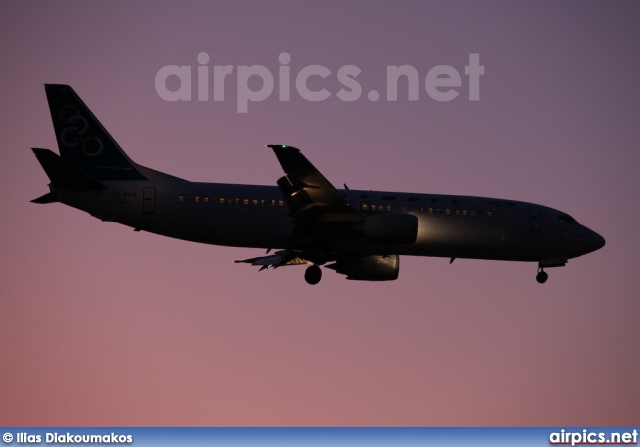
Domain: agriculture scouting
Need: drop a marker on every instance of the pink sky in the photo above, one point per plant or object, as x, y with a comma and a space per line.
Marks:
100, 325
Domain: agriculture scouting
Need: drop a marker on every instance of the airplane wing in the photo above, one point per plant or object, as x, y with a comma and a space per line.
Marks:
312, 200
278, 259
308, 194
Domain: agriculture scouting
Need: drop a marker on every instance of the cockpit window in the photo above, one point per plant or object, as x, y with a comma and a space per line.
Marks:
566, 218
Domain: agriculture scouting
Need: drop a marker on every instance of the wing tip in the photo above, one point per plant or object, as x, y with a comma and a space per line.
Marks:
47, 198
282, 147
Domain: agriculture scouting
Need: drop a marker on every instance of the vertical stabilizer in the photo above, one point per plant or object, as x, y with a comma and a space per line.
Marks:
83, 141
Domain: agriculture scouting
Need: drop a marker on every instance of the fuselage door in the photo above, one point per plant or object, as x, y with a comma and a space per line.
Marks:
535, 218
149, 200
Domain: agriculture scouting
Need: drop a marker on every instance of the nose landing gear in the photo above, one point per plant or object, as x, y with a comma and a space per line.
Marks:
542, 276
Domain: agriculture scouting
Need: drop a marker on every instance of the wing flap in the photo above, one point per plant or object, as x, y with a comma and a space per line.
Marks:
278, 259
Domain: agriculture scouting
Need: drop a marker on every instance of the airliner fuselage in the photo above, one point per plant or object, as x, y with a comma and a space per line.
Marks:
305, 219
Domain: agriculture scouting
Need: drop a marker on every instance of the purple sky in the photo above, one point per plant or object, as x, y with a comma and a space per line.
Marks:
100, 325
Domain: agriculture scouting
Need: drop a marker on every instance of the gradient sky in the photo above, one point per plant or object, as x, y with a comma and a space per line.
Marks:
100, 325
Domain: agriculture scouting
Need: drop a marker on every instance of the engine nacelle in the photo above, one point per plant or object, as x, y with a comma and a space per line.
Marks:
391, 228
368, 268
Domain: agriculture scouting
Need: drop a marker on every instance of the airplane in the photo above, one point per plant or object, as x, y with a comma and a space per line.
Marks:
305, 219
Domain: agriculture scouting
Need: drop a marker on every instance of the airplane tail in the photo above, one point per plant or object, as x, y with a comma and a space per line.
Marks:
85, 143
63, 174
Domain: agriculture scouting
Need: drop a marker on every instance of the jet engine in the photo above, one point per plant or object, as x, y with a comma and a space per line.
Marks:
391, 228
368, 268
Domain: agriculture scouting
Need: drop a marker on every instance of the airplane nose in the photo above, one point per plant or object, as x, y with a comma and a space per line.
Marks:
583, 240
594, 241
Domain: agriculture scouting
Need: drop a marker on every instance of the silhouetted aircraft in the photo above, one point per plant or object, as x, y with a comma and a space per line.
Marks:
360, 234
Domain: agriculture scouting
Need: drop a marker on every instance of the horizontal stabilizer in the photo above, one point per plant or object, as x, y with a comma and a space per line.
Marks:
63, 174
47, 198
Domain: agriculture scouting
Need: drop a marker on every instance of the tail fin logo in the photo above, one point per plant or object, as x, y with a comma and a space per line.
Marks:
84, 141
77, 134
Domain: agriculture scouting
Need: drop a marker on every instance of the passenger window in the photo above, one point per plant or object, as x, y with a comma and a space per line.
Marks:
181, 198
365, 207
447, 211
221, 199
246, 201
281, 202
464, 212
473, 213
255, 201
404, 209
389, 208
430, 210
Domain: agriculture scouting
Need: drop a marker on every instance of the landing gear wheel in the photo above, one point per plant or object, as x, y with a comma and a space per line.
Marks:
313, 274
542, 277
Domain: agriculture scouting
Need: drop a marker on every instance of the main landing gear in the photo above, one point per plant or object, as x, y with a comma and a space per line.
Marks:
542, 276
313, 274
